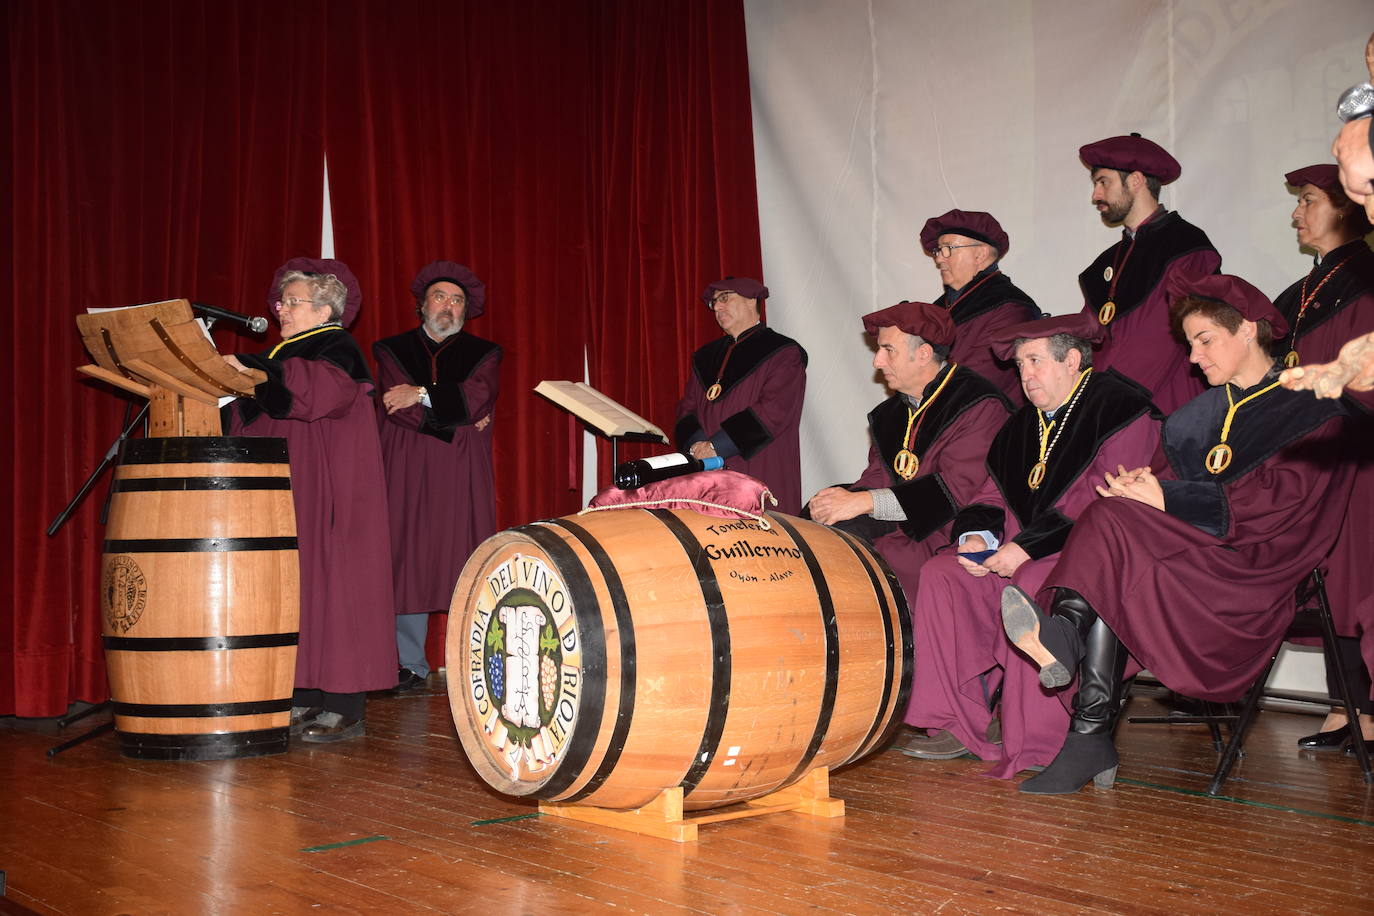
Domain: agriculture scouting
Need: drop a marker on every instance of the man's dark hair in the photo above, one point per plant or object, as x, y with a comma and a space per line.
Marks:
1151, 182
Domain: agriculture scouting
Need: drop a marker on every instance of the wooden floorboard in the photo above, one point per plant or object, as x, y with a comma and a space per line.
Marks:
398, 822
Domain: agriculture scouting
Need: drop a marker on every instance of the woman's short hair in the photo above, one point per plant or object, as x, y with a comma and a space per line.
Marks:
1218, 312
1354, 215
325, 289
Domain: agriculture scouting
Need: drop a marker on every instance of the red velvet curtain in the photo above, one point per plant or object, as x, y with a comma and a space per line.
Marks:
157, 150
591, 161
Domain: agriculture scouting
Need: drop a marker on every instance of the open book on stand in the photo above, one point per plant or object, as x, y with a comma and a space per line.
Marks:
600, 412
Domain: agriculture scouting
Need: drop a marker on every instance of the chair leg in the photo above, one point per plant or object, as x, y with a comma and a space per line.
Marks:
1347, 696
1247, 714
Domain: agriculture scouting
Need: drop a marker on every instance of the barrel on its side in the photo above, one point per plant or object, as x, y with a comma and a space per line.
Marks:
603, 658
201, 597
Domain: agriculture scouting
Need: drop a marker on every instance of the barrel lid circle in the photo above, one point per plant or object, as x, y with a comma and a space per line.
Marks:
524, 667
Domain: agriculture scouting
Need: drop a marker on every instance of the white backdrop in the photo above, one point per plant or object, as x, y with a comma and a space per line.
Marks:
870, 117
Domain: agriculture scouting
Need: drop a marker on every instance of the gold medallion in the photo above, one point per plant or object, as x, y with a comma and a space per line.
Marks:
1291, 359
906, 464
1037, 475
1107, 274
1218, 459
1106, 313
713, 392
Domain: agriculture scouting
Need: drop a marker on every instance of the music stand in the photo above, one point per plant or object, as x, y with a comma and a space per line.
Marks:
601, 414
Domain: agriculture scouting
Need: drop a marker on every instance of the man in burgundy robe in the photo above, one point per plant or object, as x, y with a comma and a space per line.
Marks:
928, 442
440, 385
1124, 289
318, 397
967, 248
1083, 424
1331, 304
743, 400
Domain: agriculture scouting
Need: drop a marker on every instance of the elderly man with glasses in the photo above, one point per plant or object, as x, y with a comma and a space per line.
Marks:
967, 247
743, 400
439, 386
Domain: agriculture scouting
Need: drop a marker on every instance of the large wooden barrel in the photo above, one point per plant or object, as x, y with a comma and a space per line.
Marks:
603, 658
201, 597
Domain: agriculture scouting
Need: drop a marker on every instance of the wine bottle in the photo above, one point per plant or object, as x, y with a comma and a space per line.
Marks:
631, 475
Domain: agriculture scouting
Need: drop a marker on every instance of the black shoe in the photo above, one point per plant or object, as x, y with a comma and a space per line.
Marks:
301, 716
1037, 636
1349, 745
331, 726
1083, 759
1332, 740
407, 680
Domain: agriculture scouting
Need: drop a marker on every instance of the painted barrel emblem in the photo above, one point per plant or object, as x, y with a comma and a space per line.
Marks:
524, 665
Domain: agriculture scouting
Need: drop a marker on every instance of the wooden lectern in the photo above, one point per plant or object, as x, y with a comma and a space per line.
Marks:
159, 352
200, 587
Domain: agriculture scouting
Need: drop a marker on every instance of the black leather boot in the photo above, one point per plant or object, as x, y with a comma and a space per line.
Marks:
1053, 642
1089, 754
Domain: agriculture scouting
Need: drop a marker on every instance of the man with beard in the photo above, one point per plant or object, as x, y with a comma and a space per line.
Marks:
1080, 424
1124, 288
967, 248
440, 385
744, 397
929, 440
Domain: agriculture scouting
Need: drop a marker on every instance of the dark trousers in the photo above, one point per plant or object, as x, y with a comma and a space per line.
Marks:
1353, 662
348, 705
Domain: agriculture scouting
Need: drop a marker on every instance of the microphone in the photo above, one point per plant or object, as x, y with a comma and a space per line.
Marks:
256, 324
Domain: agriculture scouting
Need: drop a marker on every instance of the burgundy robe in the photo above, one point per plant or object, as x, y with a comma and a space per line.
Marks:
990, 302
961, 651
318, 397
1202, 593
952, 443
759, 408
439, 479
1341, 308
1140, 344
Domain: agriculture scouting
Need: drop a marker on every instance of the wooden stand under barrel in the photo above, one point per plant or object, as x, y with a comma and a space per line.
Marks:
200, 577
663, 817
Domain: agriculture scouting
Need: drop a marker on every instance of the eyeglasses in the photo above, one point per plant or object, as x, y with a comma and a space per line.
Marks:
945, 251
292, 302
719, 297
440, 297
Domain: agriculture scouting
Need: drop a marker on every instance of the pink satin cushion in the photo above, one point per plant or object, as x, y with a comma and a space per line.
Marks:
728, 492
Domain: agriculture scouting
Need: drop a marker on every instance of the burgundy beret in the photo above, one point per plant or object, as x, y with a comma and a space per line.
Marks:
928, 322
745, 286
1131, 153
352, 304
974, 224
1082, 325
1232, 291
452, 271
1325, 176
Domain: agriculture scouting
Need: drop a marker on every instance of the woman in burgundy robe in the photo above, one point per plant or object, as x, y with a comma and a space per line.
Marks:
1331, 304
318, 397
1190, 573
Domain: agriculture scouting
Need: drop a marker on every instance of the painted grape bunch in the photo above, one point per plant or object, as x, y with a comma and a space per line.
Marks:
496, 674
548, 679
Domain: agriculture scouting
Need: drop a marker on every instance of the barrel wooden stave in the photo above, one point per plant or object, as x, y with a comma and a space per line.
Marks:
778, 668
200, 637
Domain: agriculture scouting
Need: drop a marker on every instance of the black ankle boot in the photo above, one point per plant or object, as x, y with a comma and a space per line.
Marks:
1054, 642
1089, 753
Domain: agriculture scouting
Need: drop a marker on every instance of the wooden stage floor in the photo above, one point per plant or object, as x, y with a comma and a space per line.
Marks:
397, 822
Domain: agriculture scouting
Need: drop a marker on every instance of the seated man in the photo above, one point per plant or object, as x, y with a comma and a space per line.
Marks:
929, 438
743, 400
1189, 568
1043, 465
967, 247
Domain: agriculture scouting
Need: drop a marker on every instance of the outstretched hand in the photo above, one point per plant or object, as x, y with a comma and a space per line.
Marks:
1353, 369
